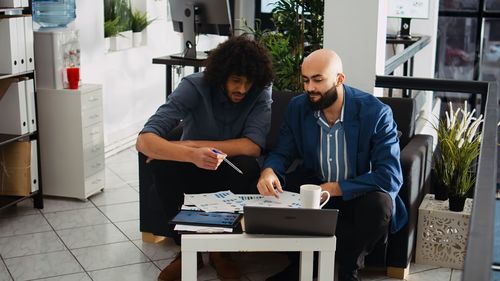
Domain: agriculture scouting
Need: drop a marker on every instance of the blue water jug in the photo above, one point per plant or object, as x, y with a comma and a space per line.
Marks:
53, 13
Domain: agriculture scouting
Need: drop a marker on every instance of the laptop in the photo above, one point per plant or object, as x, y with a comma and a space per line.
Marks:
290, 221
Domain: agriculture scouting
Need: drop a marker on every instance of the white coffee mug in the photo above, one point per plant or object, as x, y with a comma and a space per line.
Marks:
310, 196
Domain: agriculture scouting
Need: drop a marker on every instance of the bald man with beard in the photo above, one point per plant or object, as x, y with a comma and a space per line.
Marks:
347, 142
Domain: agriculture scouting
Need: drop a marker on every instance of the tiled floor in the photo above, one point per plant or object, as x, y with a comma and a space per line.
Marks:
71, 240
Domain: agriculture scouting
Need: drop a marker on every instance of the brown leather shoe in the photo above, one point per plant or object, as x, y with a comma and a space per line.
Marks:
226, 267
173, 271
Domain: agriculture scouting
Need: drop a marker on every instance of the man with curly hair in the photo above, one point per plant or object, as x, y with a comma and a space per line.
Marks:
225, 112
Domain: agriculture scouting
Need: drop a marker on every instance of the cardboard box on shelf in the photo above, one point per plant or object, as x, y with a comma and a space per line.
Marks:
15, 163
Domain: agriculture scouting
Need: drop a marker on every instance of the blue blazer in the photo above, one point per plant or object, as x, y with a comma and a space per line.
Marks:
372, 147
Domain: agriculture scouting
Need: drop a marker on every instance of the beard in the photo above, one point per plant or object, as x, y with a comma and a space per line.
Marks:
325, 100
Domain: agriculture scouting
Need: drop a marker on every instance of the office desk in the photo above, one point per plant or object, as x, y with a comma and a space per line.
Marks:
169, 61
193, 243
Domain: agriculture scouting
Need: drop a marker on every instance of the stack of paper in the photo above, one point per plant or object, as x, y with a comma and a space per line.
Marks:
226, 201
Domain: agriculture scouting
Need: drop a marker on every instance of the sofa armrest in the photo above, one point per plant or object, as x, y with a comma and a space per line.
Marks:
416, 158
152, 215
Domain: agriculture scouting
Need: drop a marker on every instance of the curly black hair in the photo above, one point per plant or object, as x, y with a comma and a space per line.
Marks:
240, 56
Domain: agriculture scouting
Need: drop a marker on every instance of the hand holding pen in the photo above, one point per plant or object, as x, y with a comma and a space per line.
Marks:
205, 158
227, 161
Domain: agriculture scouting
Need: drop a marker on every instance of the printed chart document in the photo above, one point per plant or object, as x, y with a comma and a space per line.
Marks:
226, 201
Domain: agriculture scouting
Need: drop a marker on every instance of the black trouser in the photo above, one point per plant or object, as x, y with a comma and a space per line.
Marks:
362, 222
173, 179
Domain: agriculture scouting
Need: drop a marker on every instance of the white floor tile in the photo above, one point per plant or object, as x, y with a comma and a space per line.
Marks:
127, 170
456, 275
161, 264
70, 277
126, 156
4, 274
163, 250
42, 266
57, 204
121, 212
23, 225
111, 255
76, 218
91, 236
415, 267
134, 184
439, 274
135, 272
115, 196
112, 180
30, 244
131, 229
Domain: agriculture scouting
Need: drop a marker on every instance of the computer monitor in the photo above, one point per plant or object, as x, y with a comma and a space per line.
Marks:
407, 10
193, 17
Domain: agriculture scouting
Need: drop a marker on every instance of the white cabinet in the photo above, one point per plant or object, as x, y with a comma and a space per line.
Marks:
71, 141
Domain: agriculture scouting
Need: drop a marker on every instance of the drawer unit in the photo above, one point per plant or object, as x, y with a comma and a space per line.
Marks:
72, 141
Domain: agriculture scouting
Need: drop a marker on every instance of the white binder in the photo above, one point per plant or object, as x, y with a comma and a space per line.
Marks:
13, 110
9, 60
25, 3
28, 35
21, 44
30, 105
11, 3
34, 166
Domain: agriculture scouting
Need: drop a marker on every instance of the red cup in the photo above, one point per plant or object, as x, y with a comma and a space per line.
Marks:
73, 77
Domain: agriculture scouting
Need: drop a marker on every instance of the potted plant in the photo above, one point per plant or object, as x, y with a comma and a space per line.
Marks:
459, 141
110, 30
119, 11
298, 32
139, 22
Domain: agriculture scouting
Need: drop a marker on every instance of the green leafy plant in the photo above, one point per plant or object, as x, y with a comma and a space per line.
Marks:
111, 28
298, 32
459, 141
118, 9
139, 21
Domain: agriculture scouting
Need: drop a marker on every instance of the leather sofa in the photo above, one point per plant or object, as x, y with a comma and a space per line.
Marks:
416, 153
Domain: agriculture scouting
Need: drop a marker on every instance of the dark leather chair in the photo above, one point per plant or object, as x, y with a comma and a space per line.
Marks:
416, 158
416, 154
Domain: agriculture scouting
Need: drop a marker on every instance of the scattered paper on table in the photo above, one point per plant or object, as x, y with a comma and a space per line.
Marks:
226, 201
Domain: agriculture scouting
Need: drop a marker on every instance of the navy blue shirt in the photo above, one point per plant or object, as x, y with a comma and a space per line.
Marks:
208, 114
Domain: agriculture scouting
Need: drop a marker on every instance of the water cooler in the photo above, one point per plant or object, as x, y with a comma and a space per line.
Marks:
56, 45
56, 49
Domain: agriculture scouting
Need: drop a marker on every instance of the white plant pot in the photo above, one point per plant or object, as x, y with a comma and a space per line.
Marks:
114, 43
125, 40
137, 39
107, 42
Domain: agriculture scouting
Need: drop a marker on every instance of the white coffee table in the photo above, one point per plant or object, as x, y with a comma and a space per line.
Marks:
193, 243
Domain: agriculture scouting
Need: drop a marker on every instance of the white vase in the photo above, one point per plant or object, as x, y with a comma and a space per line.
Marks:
107, 42
137, 39
114, 43
124, 40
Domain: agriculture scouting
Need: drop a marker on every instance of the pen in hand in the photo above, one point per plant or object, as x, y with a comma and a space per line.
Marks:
228, 162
